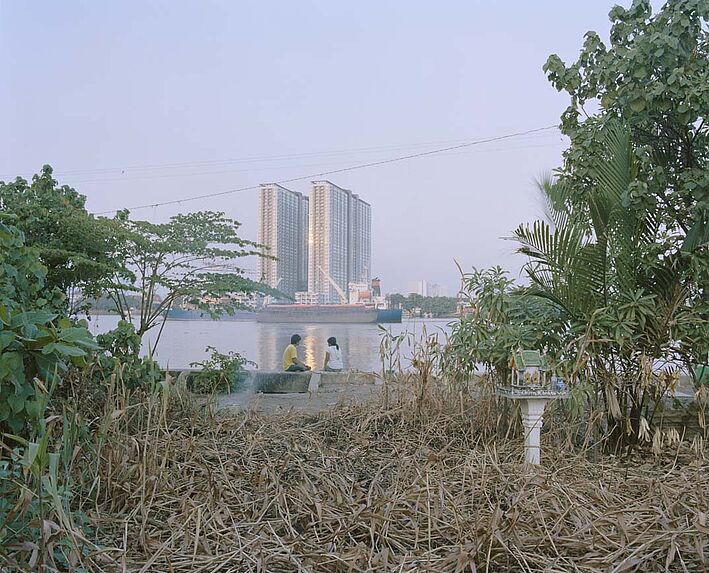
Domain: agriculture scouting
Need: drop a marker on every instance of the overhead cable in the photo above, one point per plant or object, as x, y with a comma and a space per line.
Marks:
312, 176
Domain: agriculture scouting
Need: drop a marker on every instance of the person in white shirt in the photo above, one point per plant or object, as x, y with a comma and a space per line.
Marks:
333, 356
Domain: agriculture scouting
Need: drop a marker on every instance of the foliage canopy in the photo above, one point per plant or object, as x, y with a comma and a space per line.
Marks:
654, 79
76, 248
37, 346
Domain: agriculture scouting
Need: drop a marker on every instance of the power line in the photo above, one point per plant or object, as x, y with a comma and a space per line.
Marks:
250, 159
76, 182
337, 171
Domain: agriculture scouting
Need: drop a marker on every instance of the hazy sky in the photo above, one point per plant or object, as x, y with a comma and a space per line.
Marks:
136, 102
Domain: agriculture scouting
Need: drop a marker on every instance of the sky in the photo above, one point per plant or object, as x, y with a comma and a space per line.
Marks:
140, 102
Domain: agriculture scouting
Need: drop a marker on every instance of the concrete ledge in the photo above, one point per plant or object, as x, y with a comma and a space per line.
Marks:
353, 377
300, 382
272, 392
279, 382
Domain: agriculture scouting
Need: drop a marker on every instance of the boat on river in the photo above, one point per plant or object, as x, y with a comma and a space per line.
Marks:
196, 314
326, 313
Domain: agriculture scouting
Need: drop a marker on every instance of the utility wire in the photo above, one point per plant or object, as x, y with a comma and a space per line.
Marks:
411, 147
281, 168
337, 171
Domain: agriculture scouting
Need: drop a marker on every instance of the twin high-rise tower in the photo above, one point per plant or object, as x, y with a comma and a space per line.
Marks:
283, 228
322, 244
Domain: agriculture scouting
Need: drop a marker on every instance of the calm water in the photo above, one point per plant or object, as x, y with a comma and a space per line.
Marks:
184, 341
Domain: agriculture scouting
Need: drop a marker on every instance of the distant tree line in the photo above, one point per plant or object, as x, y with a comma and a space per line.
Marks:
437, 306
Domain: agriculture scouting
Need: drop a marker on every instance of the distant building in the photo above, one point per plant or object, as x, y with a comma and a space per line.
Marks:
339, 241
244, 298
360, 293
283, 229
359, 251
418, 287
424, 288
376, 287
306, 297
437, 290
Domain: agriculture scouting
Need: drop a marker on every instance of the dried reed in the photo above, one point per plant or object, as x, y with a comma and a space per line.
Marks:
369, 487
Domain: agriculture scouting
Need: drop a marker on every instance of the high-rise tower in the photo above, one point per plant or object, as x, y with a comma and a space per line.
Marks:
283, 229
339, 241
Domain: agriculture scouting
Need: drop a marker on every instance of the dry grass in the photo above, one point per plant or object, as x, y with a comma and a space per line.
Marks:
368, 488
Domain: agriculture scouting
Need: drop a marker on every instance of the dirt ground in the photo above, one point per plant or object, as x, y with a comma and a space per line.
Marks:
326, 397
348, 388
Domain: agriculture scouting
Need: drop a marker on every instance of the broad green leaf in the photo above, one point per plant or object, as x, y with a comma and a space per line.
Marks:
16, 403
5, 410
35, 408
12, 368
63, 349
72, 334
31, 318
6, 338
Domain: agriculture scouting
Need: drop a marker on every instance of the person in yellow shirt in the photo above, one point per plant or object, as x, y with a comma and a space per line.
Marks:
291, 362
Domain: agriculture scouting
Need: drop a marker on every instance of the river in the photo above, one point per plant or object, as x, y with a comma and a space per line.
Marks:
184, 341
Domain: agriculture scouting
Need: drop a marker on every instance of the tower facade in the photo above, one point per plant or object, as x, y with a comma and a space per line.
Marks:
283, 231
339, 241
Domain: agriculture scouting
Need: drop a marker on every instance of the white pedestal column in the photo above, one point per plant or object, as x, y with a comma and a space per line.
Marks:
314, 383
532, 419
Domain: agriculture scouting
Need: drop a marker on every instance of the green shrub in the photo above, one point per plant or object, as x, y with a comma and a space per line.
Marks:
121, 350
36, 345
38, 348
220, 372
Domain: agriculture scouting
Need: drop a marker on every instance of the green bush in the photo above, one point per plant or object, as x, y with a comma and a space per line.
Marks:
220, 373
121, 350
36, 346
502, 318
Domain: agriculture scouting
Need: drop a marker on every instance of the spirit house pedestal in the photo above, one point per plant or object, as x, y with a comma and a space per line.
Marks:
530, 384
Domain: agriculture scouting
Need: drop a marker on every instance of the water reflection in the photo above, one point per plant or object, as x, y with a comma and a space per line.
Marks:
359, 344
183, 342
270, 344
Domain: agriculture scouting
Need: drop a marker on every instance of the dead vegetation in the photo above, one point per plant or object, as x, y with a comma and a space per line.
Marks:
374, 488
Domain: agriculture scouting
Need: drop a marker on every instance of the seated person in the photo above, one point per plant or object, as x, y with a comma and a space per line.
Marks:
333, 356
291, 362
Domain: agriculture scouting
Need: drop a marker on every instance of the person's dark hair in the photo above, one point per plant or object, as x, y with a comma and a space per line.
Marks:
332, 341
295, 339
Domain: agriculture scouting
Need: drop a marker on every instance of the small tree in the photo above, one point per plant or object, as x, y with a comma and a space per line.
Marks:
397, 300
191, 258
502, 318
627, 303
628, 258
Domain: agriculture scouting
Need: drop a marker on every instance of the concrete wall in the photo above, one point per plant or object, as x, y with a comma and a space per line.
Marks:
279, 382
300, 382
